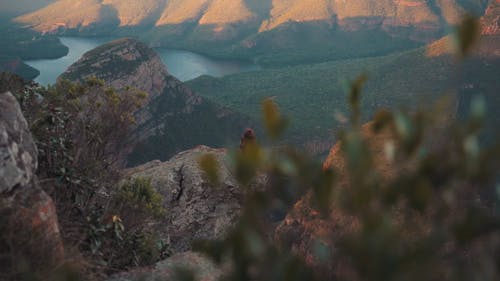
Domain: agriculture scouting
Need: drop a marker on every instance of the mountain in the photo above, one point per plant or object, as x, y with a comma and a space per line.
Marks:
91, 13
272, 31
174, 118
19, 43
314, 97
10, 8
268, 13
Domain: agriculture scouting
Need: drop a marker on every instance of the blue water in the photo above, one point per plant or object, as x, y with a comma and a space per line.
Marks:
187, 65
50, 69
184, 65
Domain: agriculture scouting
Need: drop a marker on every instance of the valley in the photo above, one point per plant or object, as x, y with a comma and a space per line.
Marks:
314, 96
184, 65
308, 53
249, 140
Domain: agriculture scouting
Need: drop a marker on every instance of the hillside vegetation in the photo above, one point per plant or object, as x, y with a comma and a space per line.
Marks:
20, 43
313, 96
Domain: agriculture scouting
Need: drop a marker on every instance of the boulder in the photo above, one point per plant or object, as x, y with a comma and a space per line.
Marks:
30, 229
18, 154
309, 234
195, 209
172, 269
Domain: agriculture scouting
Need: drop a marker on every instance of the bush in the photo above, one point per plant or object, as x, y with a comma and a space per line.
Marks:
82, 132
138, 243
141, 197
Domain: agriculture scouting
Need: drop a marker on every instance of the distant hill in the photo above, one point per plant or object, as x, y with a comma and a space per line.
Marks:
304, 30
18, 44
314, 95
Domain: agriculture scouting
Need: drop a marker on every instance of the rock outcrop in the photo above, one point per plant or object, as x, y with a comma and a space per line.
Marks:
305, 229
121, 63
195, 209
17, 150
30, 229
175, 118
201, 268
491, 19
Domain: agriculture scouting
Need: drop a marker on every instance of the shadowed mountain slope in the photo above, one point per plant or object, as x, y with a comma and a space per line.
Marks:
314, 95
174, 118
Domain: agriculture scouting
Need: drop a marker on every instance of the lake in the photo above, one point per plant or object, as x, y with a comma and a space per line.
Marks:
182, 64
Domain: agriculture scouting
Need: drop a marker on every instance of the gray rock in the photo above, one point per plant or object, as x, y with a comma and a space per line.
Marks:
194, 208
18, 154
201, 267
121, 63
28, 218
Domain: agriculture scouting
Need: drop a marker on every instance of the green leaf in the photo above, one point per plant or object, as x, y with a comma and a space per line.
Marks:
355, 98
273, 121
247, 162
478, 108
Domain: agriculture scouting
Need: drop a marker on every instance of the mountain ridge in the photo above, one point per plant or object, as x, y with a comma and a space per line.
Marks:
223, 12
249, 30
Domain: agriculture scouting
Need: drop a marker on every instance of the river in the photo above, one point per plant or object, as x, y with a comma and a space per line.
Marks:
182, 64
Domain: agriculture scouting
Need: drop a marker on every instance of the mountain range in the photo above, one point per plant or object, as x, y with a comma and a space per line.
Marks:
268, 14
303, 29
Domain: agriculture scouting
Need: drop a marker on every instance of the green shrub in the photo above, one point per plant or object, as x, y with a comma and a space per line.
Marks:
81, 131
141, 196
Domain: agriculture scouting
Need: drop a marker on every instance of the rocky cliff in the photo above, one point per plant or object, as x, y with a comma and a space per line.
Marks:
175, 118
195, 209
30, 230
121, 63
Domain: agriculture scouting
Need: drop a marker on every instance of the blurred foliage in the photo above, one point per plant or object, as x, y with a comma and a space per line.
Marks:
273, 121
208, 163
423, 208
467, 35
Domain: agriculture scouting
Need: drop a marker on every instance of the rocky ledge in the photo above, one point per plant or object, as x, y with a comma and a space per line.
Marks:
195, 209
